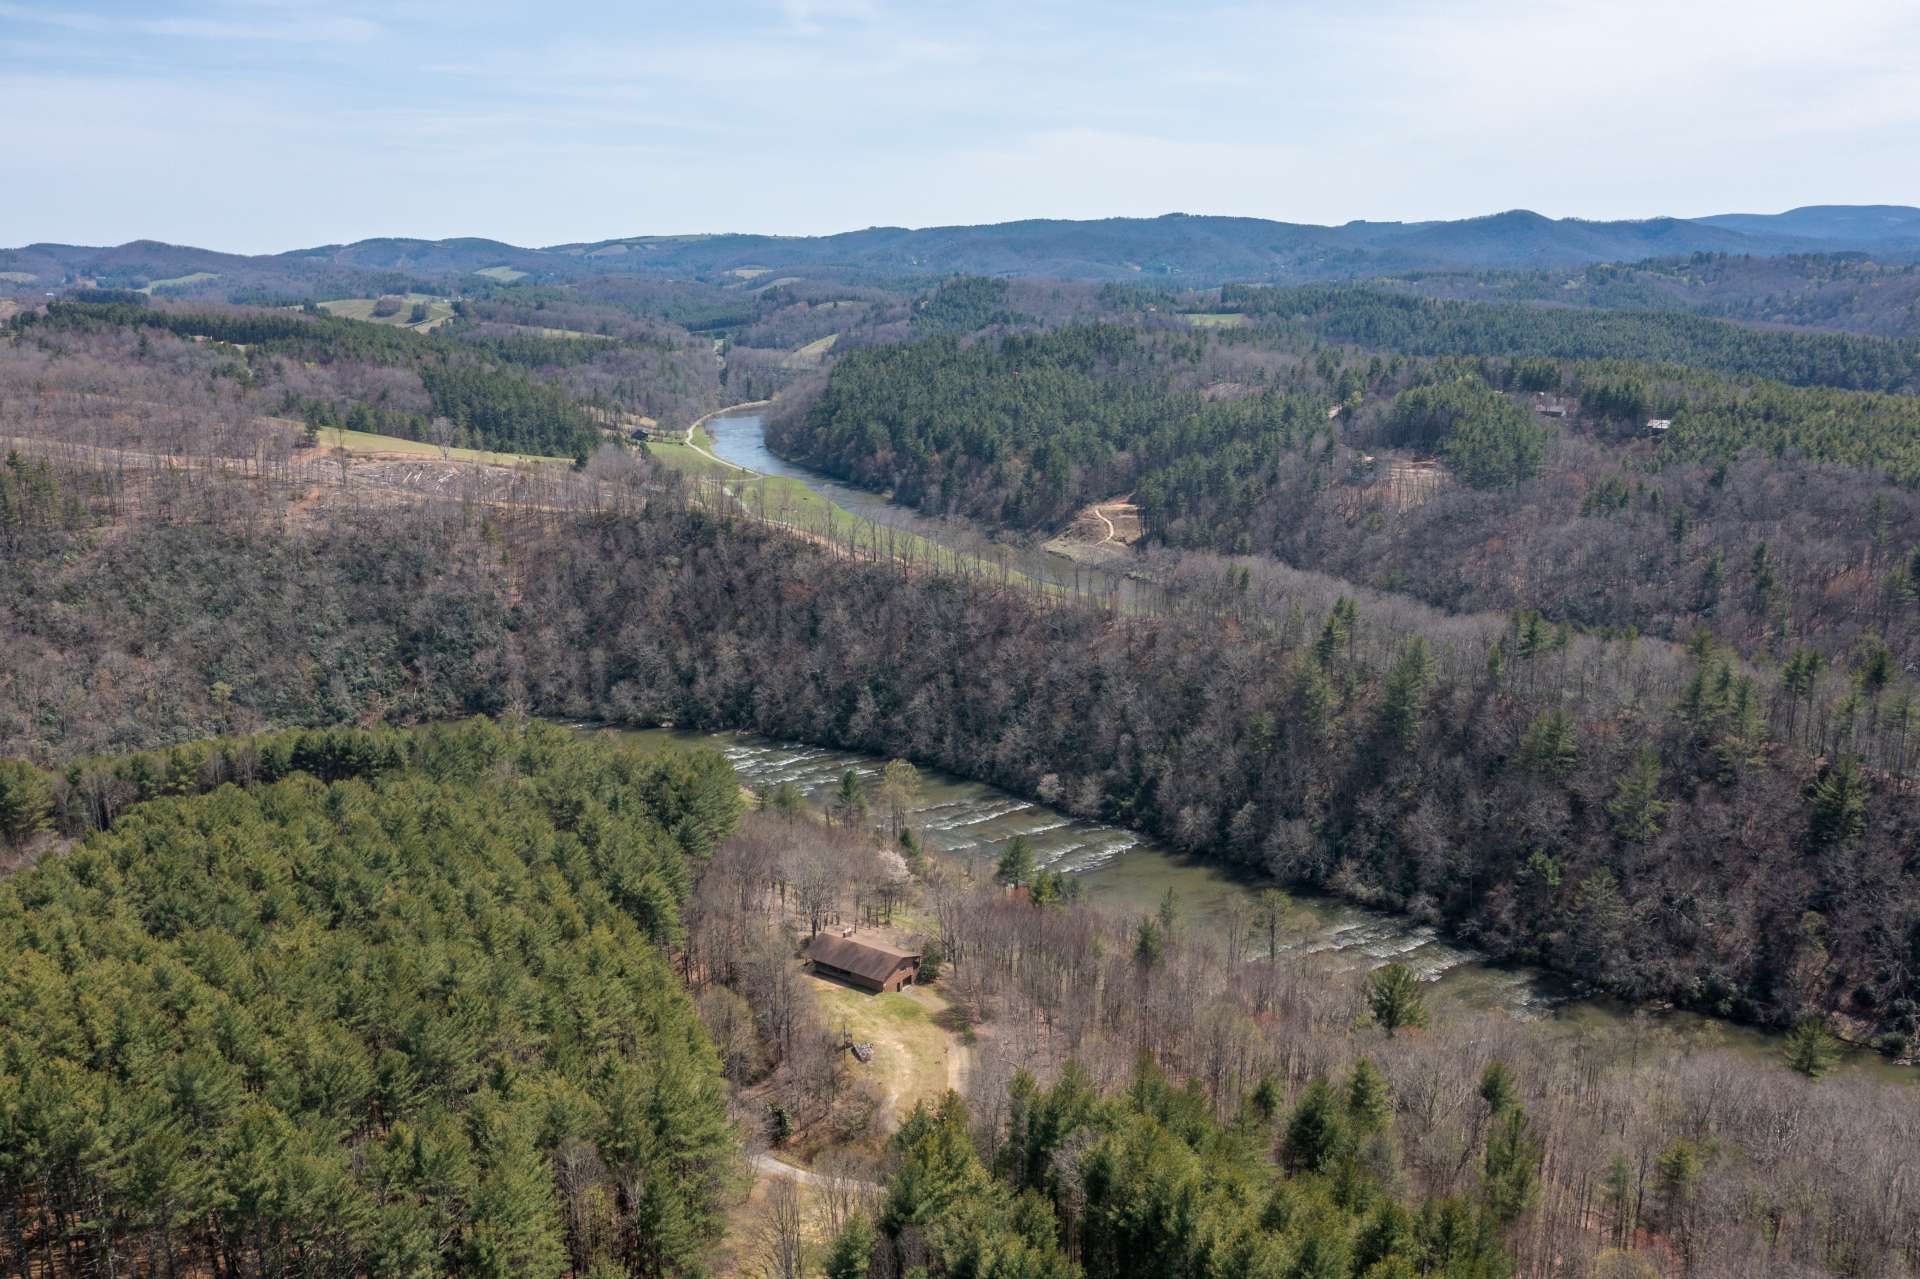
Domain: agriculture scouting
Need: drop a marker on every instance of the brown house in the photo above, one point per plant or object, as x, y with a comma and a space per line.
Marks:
869, 965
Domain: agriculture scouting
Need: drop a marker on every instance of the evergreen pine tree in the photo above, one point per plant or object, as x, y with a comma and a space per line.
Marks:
1809, 1049
1636, 807
1316, 1133
1511, 1179
1394, 998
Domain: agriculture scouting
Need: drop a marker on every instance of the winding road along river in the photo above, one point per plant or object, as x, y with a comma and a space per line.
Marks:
967, 823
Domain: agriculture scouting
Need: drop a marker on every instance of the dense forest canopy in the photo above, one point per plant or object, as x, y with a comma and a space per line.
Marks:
1381, 320
339, 1014
1848, 292
1151, 1183
1025, 428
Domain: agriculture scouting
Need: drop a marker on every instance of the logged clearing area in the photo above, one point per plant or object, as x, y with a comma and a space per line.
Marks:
366, 444
1101, 532
1403, 482
535, 330
504, 274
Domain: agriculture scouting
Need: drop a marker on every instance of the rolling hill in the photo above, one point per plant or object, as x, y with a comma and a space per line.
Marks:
1175, 248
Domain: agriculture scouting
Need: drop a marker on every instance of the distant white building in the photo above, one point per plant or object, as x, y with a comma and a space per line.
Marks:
1658, 425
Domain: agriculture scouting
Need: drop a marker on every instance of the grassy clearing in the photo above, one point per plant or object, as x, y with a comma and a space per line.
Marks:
1216, 319
504, 274
535, 330
811, 355
179, 281
18, 277
910, 1050
439, 311
364, 442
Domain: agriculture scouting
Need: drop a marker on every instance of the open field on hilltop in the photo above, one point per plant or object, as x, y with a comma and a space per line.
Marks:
1215, 319
439, 311
504, 274
179, 281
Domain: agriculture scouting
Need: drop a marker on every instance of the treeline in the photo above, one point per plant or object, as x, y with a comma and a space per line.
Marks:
509, 413
1390, 321
1551, 796
409, 1015
965, 304
34, 498
1149, 1183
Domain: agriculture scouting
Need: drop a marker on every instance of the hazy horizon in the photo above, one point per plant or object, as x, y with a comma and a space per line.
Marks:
266, 125
929, 226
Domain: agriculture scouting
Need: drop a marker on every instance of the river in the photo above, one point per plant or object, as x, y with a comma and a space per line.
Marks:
966, 823
740, 438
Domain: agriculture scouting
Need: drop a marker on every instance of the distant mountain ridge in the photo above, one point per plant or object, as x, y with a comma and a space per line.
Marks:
1859, 224
1176, 248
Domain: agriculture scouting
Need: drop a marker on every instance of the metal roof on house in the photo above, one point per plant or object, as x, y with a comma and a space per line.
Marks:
869, 959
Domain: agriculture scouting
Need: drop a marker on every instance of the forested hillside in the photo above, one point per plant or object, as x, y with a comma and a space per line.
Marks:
1025, 428
1849, 292
1419, 326
1665, 823
1777, 515
337, 1003
483, 402
1201, 249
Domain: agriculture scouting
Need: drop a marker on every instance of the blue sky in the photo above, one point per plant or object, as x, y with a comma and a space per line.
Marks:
260, 125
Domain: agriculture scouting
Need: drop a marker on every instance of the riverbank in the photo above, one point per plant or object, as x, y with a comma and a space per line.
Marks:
739, 439
965, 824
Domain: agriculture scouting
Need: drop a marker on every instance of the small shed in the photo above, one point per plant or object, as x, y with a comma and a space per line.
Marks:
1659, 425
870, 965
